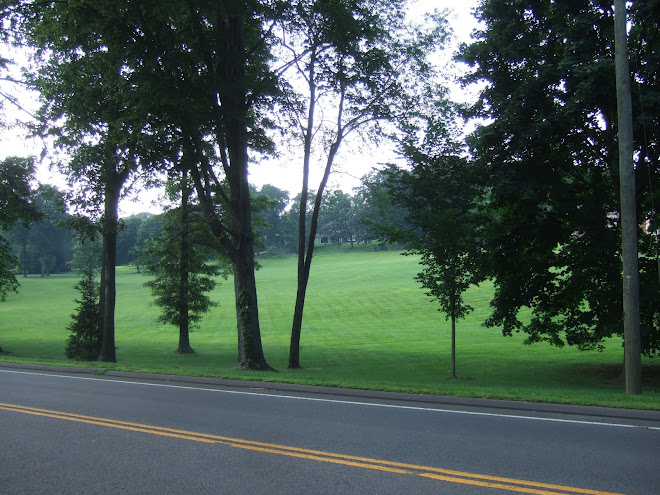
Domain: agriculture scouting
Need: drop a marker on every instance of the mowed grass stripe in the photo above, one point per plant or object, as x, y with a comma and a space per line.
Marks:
367, 325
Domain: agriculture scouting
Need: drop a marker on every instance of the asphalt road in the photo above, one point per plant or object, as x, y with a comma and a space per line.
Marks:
64, 433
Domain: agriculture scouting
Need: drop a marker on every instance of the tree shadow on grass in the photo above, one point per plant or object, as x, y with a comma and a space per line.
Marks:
613, 375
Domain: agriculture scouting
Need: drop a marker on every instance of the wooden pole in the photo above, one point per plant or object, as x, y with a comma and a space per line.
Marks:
631, 330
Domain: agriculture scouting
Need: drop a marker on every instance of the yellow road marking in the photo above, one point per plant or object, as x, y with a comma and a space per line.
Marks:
530, 487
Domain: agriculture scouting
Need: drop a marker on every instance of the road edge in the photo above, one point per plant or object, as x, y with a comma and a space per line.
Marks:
605, 412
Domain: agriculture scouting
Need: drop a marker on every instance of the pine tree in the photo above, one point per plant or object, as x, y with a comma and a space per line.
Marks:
84, 343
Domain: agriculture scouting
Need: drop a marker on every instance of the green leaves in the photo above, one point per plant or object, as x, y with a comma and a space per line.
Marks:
178, 261
550, 166
16, 204
440, 195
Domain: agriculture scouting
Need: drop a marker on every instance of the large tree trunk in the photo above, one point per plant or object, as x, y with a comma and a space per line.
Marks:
250, 351
110, 220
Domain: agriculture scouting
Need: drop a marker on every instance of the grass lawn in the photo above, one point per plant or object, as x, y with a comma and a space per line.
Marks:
367, 325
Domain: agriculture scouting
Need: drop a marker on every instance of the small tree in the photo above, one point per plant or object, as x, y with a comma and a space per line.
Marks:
439, 195
84, 343
178, 262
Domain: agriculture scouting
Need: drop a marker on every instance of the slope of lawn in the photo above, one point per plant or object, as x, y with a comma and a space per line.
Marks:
367, 325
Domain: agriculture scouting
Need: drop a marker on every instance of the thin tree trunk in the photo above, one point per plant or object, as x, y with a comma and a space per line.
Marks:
184, 276
453, 347
296, 326
305, 265
102, 300
305, 253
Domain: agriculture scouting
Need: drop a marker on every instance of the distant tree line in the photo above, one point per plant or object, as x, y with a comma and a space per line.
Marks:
47, 245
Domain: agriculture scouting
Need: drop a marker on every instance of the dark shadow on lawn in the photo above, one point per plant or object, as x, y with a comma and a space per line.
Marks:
612, 374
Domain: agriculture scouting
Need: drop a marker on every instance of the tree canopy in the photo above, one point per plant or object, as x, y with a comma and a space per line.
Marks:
549, 160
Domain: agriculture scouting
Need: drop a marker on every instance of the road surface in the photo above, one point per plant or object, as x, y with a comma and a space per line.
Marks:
75, 433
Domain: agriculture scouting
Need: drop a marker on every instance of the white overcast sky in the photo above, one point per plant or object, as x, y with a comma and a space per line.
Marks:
354, 162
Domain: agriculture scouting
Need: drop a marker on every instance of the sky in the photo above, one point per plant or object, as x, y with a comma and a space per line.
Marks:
357, 158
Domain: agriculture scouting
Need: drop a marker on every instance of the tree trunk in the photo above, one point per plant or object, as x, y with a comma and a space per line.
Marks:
101, 301
184, 276
294, 346
110, 220
296, 326
250, 351
233, 227
453, 347
305, 253
305, 262
42, 264
631, 325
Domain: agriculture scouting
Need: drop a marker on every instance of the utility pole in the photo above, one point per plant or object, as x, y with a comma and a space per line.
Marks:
631, 332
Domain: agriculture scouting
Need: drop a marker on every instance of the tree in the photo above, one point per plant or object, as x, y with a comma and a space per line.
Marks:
151, 227
85, 340
355, 60
94, 110
178, 262
16, 204
440, 196
272, 233
49, 243
87, 254
208, 63
127, 237
336, 217
44, 246
549, 160
376, 207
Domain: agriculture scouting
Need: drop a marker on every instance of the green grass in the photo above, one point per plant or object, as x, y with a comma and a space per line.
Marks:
367, 325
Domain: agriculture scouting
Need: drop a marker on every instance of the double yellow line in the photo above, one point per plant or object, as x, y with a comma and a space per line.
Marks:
447, 475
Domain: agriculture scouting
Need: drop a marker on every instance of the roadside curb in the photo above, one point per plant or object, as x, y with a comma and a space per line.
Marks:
605, 412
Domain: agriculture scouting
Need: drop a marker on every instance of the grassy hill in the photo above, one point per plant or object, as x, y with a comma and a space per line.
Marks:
367, 325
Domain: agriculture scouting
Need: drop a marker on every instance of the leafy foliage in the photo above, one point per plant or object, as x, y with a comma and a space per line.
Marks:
16, 204
178, 261
549, 161
440, 197
44, 246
